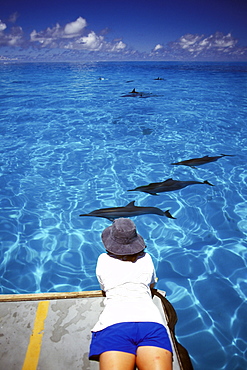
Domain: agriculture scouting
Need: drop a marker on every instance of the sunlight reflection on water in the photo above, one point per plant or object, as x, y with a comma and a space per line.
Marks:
73, 144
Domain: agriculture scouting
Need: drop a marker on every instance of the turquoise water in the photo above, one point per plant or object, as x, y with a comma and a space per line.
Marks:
71, 143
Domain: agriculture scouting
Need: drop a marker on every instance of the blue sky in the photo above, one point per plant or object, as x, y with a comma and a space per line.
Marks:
123, 30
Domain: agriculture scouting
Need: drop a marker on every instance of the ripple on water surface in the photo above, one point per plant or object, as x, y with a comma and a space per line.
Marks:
74, 144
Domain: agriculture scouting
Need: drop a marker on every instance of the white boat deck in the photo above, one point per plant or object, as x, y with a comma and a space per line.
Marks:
52, 331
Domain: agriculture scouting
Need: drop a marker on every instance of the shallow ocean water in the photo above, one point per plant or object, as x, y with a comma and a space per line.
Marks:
72, 143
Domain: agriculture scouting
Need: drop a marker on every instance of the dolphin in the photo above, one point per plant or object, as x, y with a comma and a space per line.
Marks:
200, 161
167, 185
128, 211
135, 93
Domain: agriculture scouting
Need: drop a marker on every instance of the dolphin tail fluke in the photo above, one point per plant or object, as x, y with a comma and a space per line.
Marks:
228, 155
167, 214
207, 182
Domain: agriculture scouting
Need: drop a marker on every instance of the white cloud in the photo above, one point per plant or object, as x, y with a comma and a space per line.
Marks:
74, 36
188, 41
200, 43
215, 46
52, 37
91, 41
75, 28
218, 40
120, 45
47, 37
3, 26
14, 38
158, 47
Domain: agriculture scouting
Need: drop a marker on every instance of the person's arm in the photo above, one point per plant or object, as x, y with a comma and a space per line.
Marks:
98, 275
154, 278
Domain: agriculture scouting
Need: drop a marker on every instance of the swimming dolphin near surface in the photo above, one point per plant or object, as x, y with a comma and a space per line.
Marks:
200, 161
128, 211
167, 185
135, 93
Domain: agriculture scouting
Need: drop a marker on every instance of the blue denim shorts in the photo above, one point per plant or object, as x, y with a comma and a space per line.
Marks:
127, 337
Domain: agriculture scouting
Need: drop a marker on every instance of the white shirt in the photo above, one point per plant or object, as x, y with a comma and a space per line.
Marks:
127, 288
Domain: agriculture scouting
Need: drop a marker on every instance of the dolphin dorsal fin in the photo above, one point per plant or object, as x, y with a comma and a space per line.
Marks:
131, 204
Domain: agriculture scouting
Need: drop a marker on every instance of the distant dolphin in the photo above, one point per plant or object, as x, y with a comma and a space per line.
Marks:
135, 93
128, 211
167, 185
200, 161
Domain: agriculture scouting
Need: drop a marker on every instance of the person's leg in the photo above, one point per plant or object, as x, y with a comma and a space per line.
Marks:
117, 360
153, 358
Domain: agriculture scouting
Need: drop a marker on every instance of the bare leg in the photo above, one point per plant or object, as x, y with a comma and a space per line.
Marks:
117, 360
153, 358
